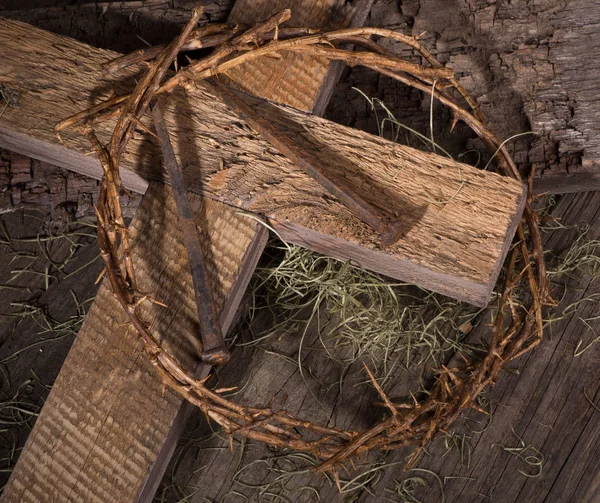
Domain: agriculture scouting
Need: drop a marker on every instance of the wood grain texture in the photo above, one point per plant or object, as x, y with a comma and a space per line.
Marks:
174, 412
297, 80
542, 400
532, 66
108, 414
459, 220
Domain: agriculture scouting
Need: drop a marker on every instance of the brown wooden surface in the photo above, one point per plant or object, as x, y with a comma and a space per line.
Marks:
541, 397
459, 220
451, 37
108, 415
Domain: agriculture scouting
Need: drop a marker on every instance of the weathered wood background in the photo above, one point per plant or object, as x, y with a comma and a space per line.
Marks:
542, 398
534, 64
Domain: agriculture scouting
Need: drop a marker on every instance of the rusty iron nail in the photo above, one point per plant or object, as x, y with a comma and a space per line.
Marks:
214, 350
389, 231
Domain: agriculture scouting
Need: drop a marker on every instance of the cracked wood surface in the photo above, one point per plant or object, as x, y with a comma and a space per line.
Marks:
459, 220
247, 13
531, 64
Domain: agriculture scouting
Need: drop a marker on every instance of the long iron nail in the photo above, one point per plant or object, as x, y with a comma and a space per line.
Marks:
214, 349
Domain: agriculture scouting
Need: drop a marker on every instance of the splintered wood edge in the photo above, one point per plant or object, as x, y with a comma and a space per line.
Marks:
251, 258
567, 183
401, 269
510, 234
60, 155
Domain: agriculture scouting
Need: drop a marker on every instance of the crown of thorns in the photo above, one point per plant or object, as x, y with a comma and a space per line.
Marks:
516, 329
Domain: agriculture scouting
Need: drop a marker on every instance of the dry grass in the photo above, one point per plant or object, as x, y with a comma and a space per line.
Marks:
36, 265
361, 315
527, 454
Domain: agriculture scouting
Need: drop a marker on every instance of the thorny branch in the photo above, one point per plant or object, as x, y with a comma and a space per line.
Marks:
516, 330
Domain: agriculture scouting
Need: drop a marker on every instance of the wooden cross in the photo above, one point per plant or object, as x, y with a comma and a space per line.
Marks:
90, 441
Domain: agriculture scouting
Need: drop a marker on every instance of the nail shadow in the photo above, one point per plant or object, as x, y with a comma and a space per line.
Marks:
339, 167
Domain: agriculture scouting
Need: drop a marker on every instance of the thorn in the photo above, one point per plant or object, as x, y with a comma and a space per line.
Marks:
455, 120
225, 390
149, 299
274, 55
100, 276
463, 356
336, 476
202, 382
414, 398
387, 401
143, 126
479, 409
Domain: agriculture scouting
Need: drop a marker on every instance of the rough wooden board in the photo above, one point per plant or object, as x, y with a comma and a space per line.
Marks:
107, 416
153, 477
455, 248
544, 403
296, 80
30, 350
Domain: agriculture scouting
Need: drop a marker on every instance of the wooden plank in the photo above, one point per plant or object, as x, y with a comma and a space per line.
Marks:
459, 220
300, 81
542, 400
33, 347
108, 414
